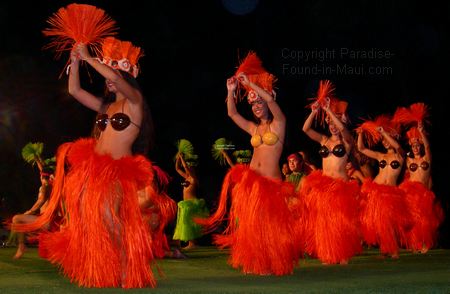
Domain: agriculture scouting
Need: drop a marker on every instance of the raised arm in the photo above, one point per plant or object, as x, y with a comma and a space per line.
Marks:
238, 119
390, 140
309, 131
362, 148
227, 158
180, 166
426, 143
84, 97
133, 95
346, 136
40, 164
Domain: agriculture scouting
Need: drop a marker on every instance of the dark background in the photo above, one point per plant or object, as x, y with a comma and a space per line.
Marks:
191, 47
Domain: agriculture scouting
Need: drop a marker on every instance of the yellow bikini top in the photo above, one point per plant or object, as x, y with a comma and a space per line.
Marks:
268, 138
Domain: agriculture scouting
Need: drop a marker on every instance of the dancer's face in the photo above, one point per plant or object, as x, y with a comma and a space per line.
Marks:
385, 144
332, 127
259, 108
348, 166
110, 86
415, 147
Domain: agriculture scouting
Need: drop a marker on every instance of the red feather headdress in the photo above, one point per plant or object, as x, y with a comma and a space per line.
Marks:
121, 55
413, 134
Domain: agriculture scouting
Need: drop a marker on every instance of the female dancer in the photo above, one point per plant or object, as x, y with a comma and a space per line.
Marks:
426, 212
32, 214
384, 222
104, 240
260, 224
332, 216
186, 229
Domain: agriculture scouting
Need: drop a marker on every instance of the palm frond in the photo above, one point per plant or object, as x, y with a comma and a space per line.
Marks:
216, 150
242, 156
185, 147
32, 152
50, 163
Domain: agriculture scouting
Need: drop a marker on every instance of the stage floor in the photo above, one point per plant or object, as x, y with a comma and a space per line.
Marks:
206, 271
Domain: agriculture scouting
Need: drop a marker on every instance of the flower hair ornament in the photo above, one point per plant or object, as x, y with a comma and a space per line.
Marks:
257, 74
122, 55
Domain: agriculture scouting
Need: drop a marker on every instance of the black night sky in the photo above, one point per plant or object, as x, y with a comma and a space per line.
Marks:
379, 55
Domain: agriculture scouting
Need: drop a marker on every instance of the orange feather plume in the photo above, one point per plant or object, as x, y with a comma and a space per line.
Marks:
326, 90
416, 113
368, 129
256, 73
338, 106
402, 116
251, 65
388, 124
78, 23
419, 112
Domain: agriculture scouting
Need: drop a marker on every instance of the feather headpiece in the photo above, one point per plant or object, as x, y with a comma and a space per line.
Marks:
121, 55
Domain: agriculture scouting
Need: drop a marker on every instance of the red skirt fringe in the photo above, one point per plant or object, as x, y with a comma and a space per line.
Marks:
426, 213
260, 224
330, 218
104, 241
163, 211
385, 218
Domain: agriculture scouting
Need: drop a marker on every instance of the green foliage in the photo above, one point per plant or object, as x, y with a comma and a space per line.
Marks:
50, 163
191, 160
216, 150
186, 149
32, 152
242, 156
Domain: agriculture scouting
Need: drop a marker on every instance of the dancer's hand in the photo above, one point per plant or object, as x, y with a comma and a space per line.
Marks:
74, 56
83, 51
243, 79
315, 106
326, 105
420, 126
232, 84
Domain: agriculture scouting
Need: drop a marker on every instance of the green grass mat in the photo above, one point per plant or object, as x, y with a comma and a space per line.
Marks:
206, 271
